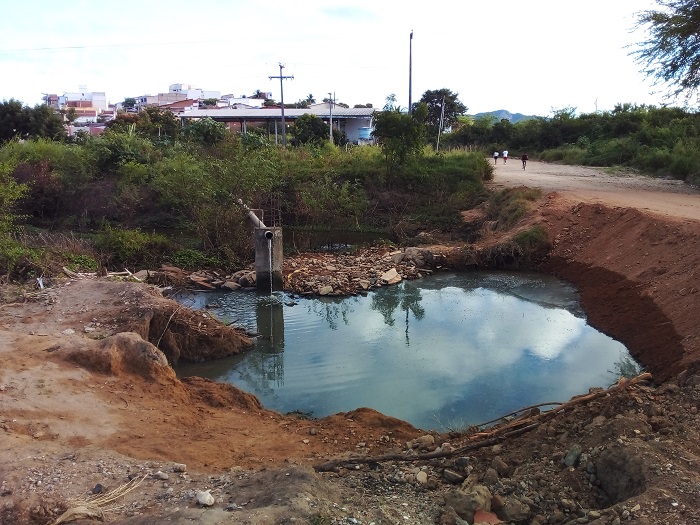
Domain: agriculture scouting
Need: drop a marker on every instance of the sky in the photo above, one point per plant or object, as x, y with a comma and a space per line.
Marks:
530, 57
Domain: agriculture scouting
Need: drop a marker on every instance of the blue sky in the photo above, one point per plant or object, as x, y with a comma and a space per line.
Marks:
528, 57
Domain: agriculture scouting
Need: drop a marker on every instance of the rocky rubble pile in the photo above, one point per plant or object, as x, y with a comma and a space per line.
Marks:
349, 274
336, 274
611, 461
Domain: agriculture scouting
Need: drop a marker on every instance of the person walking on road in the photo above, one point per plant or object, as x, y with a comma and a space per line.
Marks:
495, 157
524, 159
505, 156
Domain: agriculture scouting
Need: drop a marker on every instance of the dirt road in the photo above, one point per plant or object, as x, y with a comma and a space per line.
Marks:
671, 198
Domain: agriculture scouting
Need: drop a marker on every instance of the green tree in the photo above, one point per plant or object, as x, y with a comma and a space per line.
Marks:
153, 123
503, 132
441, 103
310, 129
401, 136
671, 54
19, 121
70, 114
157, 122
390, 104
115, 148
205, 131
129, 103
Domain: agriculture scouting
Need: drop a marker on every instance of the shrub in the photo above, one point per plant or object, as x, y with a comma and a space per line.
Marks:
510, 205
112, 149
190, 259
565, 155
532, 238
132, 247
80, 262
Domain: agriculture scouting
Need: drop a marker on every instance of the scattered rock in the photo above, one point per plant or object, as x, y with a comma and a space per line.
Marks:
204, 498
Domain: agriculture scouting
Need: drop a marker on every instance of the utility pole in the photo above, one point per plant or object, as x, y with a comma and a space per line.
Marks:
410, 68
282, 77
330, 105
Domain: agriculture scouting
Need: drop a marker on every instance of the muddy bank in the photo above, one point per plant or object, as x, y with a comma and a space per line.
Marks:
638, 278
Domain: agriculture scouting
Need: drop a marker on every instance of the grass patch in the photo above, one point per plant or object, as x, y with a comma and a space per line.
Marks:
532, 238
510, 205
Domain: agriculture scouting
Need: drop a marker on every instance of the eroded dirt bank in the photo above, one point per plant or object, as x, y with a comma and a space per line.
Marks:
83, 404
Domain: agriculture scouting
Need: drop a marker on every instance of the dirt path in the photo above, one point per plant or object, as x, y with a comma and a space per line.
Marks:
671, 198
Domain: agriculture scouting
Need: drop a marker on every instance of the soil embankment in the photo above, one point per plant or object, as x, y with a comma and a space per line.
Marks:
85, 407
631, 245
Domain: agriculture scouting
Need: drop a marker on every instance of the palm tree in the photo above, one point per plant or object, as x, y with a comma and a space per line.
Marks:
310, 99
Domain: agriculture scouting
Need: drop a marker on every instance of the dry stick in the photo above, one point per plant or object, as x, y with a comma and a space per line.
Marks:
10, 304
516, 412
167, 325
491, 438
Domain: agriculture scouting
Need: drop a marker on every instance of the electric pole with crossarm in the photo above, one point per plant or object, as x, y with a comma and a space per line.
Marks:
282, 77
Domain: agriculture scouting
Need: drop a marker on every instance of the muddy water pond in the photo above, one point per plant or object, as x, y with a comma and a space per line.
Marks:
443, 352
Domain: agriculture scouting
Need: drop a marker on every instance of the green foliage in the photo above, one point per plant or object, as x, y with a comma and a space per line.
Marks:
190, 259
685, 162
565, 155
115, 148
400, 136
20, 262
132, 247
659, 141
532, 238
310, 129
336, 205
626, 367
23, 122
124, 180
205, 131
158, 125
255, 138
81, 262
671, 54
55, 174
10, 192
510, 205
440, 103
71, 162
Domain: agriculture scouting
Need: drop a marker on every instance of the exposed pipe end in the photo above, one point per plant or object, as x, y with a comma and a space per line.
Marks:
269, 235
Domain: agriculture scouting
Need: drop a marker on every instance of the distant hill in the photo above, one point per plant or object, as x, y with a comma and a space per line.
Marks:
502, 113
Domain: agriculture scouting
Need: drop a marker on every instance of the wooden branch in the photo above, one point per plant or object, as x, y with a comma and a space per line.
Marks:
493, 437
71, 274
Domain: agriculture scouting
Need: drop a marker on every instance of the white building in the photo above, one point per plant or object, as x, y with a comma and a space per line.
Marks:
97, 99
193, 92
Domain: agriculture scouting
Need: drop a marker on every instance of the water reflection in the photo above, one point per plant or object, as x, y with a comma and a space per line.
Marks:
404, 298
470, 348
